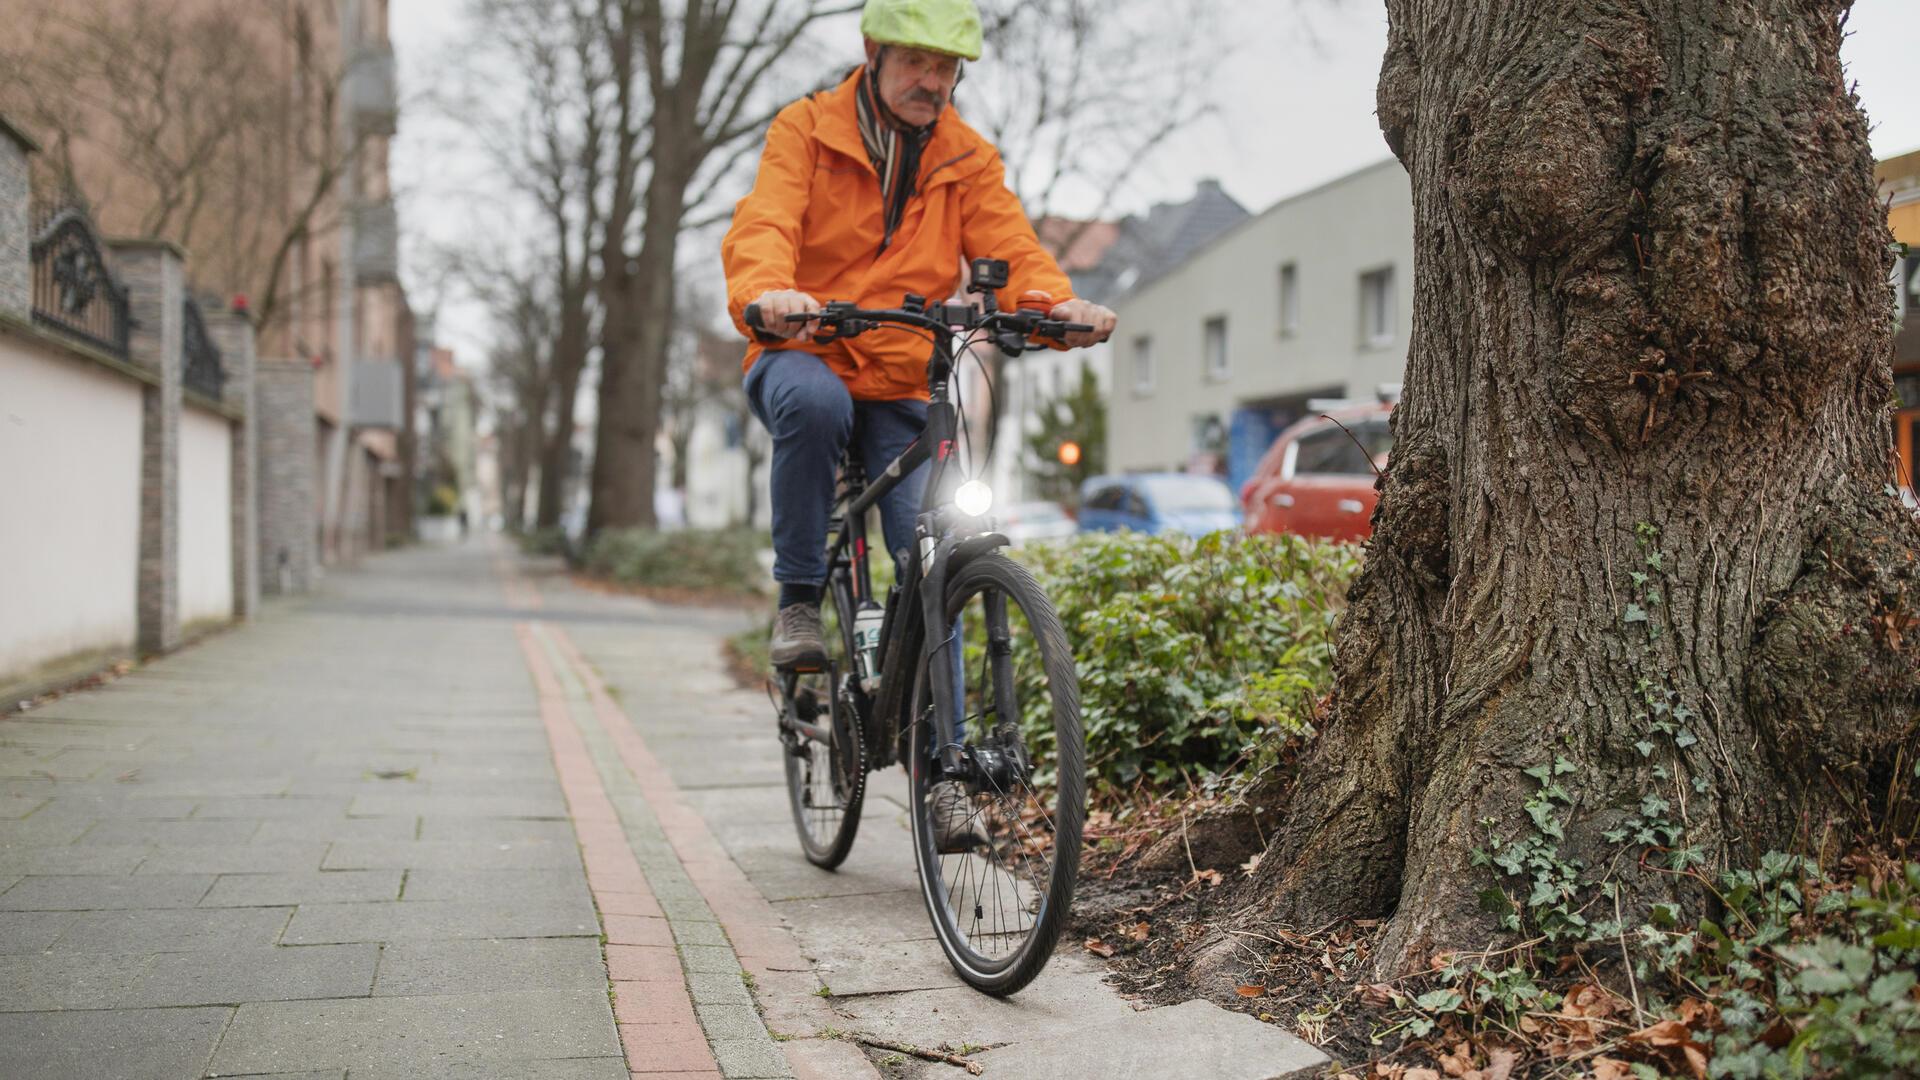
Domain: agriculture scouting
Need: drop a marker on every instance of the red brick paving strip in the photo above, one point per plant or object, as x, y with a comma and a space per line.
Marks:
784, 982
662, 1037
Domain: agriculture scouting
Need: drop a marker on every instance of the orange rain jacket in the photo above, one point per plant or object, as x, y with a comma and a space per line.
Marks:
813, 222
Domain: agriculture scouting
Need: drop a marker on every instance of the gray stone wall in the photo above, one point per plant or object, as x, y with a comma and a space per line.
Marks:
16, 239
155, 277
283, 407
232, 334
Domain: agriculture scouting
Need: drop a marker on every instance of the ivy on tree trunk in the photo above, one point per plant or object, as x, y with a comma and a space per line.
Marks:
1639, 534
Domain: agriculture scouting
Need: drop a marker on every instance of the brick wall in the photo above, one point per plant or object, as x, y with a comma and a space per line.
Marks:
16, 269
155, 277
283, 402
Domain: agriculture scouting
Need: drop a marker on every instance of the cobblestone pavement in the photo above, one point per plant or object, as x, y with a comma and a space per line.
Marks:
453, 816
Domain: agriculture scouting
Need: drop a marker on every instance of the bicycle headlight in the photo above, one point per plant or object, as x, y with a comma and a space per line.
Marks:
973, 498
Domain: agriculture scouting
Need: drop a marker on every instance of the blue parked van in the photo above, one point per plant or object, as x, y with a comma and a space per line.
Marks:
1157, 503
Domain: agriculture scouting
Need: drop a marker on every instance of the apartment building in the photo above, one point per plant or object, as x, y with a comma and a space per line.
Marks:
1311, 299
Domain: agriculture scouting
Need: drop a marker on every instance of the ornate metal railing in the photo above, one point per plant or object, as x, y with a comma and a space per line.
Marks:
73, 291
202, 370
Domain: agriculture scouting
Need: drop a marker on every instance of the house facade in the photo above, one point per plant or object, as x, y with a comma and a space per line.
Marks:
1311, 299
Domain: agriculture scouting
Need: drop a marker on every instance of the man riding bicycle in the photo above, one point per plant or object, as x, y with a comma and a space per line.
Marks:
867, 192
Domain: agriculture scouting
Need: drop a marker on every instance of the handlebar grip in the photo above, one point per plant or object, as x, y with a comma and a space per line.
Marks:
1075, 328
752, 318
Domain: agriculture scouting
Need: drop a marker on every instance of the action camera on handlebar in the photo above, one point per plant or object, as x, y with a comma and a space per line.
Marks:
989, 275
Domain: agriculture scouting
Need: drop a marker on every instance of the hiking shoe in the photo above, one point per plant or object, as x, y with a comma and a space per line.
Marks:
796, 639
958, 820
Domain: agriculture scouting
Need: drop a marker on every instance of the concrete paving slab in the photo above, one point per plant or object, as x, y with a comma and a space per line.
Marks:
256, 858
452, 967
44, 982
337, 828
1060, 999
586, 1068
304, 887
72, 859
882, 967
497, 830
448, 855
516, 885
171, 930
828, 1059
460, 806
231, 976
98, 893
410, 920
1195, 1038
171, 833
133, 1044
740, 1059
261, 808
412, 1035
31, 931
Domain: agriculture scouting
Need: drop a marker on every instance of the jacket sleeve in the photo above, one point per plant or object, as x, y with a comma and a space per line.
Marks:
762, 246
994, 226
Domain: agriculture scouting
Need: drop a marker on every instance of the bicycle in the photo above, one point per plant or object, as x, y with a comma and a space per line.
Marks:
895, 684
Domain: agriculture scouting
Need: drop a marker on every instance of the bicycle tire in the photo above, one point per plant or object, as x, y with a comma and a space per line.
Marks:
1006, 975
824, 838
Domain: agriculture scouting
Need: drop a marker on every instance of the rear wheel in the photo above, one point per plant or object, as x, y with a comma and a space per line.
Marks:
1000, 886
825, 766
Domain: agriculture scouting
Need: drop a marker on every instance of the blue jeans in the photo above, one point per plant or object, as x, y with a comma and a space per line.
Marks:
812, 416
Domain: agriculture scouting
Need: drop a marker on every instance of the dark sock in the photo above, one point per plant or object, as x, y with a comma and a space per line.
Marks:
792, 593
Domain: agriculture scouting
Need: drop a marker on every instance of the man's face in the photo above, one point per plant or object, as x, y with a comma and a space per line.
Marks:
916, 84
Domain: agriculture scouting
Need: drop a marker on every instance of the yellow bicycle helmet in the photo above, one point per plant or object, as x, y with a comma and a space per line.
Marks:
943, 26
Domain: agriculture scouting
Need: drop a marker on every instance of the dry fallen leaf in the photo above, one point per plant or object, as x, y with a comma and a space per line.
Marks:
1250, 990
1138, 931
1421, 1074
1664, 1033
1606, 1068
1458, 1063
1378, 995
1500, 1062
1211, 877
1099, 948
1252, 864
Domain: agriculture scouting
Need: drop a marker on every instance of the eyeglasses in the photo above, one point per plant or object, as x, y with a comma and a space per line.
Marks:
920, 64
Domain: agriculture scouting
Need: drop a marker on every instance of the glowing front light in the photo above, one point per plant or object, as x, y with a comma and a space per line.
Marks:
973, 498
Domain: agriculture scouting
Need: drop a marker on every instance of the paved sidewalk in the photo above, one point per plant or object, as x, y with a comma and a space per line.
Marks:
454, 817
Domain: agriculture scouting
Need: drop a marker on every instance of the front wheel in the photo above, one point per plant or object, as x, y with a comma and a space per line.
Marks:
998, 845
820, 734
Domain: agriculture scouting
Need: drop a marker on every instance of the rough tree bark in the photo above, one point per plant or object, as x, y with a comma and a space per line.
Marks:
1652, 333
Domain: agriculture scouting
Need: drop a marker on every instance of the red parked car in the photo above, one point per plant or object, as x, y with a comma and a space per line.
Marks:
1317, 478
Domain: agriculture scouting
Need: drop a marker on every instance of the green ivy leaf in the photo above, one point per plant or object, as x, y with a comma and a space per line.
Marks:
1891, 987
1635, 613
1645, 747
1684, 738
1445, 999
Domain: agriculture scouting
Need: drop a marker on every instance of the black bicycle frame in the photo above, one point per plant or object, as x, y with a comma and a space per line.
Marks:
925, 568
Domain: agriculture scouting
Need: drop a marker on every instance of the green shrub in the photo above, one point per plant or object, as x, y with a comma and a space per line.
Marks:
1191, 652
550, 540
718, 559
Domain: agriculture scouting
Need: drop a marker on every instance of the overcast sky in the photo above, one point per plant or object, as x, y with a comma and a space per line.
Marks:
1295, 101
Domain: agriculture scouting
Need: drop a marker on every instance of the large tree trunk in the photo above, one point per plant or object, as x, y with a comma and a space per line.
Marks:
556, 457
639, 331
1638, 518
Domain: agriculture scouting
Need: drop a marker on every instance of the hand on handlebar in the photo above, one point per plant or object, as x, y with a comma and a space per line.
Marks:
1088, 313
776, 305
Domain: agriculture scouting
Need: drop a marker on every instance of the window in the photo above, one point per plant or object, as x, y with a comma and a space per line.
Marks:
1142, 364
1332, 451
1107, 498
1289, 300
1217, 347
1376, 307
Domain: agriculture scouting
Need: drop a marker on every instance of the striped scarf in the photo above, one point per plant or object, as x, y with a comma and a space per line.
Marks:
893, 147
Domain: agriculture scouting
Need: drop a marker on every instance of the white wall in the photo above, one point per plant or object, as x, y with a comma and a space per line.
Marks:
206, 516
1332, 234
69, 505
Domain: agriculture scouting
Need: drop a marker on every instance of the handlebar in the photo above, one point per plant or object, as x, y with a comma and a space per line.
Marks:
846, 320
